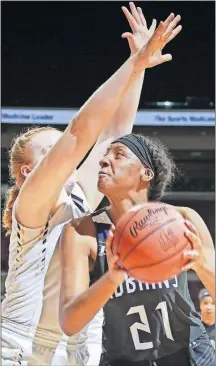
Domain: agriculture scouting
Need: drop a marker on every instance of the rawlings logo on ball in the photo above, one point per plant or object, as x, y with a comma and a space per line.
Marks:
148, 220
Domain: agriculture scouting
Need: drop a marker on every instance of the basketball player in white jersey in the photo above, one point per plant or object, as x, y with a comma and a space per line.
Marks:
42, 161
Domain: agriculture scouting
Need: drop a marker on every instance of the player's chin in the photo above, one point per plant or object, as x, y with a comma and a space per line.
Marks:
103, 183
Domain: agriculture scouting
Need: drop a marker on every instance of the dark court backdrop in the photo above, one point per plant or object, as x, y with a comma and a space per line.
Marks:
55, 54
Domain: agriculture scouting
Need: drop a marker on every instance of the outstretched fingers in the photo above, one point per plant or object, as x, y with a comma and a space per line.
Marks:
142, 18
168, 20
171, 31
165, 32
175, 32
130, 18
153, 26
135, 13
158, 33
165, 29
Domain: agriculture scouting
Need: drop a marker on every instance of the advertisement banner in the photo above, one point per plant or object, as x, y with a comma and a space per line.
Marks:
143, 118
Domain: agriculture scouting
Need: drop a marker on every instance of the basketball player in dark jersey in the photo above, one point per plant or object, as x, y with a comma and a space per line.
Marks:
143, 324
207, 312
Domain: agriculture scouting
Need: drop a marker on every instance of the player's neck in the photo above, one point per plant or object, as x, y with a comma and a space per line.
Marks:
208, 320
121, 205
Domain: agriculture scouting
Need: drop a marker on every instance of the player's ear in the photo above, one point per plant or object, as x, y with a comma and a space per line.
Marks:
147, 174
25, 170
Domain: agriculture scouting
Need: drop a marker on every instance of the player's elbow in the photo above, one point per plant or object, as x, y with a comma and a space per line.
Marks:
66, 326
67, 330
68, 322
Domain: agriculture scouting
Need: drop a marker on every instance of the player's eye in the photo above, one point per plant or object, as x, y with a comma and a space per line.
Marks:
119, 154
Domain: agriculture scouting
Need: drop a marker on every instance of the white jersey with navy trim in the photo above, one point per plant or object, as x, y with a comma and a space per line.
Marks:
31, 334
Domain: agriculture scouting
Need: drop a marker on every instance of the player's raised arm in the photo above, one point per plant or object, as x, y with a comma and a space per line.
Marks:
122, 121
46, 180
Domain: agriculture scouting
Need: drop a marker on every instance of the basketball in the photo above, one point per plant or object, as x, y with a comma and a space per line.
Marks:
149, 240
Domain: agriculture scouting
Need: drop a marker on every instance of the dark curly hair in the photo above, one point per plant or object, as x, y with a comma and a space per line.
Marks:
165, 170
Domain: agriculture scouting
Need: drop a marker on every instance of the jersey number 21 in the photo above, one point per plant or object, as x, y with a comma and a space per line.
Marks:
144, 325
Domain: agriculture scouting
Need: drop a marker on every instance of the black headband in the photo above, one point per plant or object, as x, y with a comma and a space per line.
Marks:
138, 147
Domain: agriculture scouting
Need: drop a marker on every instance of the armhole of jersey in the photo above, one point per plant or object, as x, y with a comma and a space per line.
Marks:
79, 198
20, 227
67, 211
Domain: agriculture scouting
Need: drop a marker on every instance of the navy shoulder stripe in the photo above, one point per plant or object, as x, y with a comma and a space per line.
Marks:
76, 198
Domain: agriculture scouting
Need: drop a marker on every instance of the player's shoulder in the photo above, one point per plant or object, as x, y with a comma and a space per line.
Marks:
186, 212
193, 216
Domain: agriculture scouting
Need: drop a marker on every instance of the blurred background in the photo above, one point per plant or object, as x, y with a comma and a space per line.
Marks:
56, 54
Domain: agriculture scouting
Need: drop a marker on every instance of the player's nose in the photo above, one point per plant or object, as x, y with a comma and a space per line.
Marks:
104, 162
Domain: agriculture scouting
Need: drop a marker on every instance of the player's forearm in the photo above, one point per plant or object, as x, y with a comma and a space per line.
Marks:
206, 273
120, 124
123, 119
101, 106
126, 113
77, 312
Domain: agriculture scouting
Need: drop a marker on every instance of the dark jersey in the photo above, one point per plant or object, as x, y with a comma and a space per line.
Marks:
142, 321
210, 329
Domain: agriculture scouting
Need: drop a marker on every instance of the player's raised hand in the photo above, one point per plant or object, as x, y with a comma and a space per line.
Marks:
150, 55
140, 32
116, 274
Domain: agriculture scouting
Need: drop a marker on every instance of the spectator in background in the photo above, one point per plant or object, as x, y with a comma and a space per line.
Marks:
207, 311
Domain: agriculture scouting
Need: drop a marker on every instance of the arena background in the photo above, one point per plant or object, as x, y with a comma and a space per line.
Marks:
55, 54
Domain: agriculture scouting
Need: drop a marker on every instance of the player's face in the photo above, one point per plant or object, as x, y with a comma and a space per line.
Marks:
207, 306
41, 143
120, 171
39, 146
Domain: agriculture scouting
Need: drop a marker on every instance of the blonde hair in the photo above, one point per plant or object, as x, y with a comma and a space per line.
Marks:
17, 157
